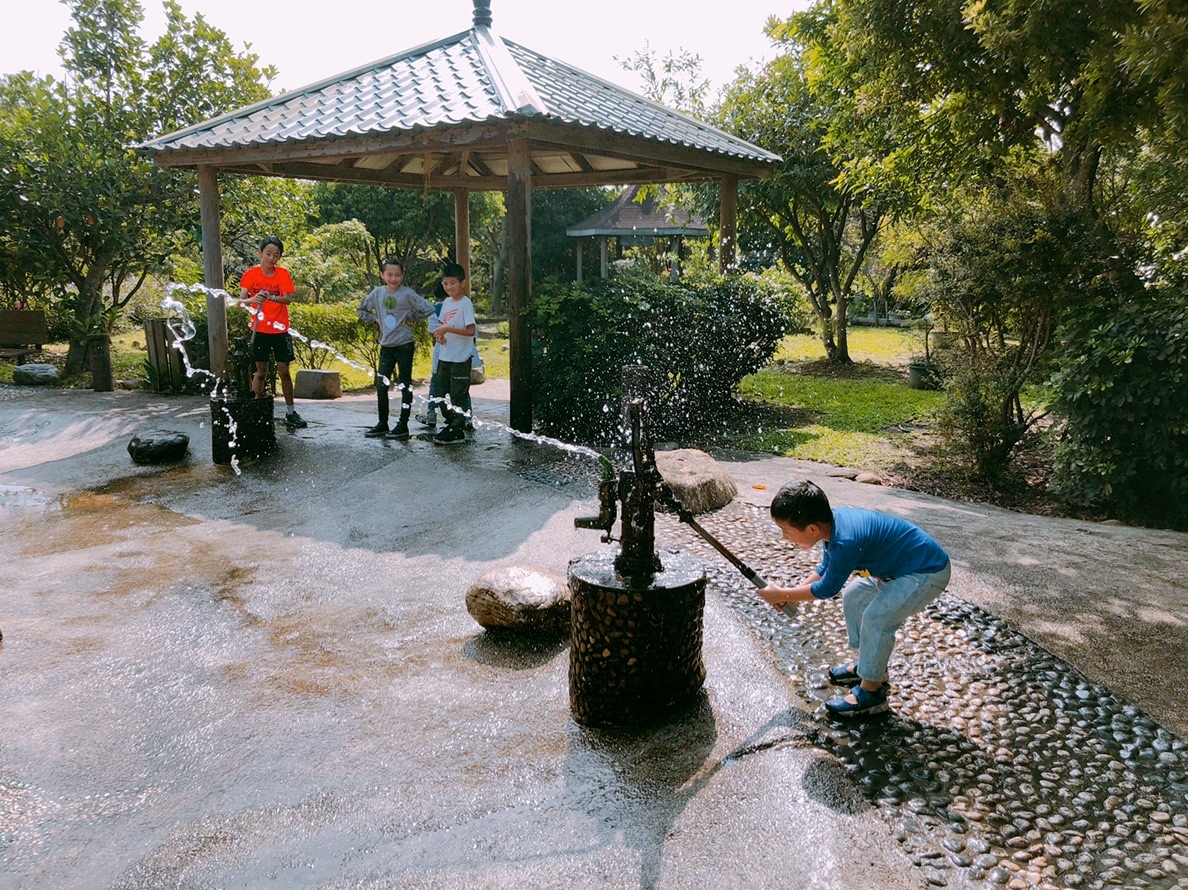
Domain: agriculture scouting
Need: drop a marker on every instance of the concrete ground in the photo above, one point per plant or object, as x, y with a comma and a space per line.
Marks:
215, 679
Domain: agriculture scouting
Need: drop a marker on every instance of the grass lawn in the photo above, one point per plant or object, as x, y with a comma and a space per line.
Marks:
859, 415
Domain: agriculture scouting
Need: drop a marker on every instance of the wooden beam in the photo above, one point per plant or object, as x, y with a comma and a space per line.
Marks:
212, 270
416, 143
728, 224
491, 183
519, 281
488, 139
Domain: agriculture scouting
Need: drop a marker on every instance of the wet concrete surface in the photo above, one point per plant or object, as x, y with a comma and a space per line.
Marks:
222, 680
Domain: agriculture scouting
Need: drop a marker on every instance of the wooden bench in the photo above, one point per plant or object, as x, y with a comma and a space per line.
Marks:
22, 333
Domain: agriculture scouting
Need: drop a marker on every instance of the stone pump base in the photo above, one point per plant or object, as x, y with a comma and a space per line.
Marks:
635, 656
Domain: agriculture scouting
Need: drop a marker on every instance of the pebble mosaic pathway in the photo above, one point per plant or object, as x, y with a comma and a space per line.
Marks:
999, 764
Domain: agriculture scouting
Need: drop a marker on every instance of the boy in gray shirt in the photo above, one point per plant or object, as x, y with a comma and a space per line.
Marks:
393, 307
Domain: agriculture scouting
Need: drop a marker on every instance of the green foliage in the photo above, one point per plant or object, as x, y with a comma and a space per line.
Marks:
554, 254
698, 340
978, 419
334, 324
805, 215
415, 227
85, 220
332, 262
1122, 389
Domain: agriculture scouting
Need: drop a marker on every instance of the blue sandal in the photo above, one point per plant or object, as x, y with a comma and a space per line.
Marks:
844, 675
865, 702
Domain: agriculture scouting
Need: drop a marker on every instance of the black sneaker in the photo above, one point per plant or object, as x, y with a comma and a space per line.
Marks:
449, 436
400, 431
295, 420
377, 432
428, 422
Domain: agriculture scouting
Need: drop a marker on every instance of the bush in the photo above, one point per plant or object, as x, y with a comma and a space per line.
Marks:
336, 325
699, 339
1122, 390
982, 419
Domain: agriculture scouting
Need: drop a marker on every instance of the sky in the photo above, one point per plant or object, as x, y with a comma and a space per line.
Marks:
308, 41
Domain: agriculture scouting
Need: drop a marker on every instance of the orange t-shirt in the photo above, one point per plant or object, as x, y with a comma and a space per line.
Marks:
269, 317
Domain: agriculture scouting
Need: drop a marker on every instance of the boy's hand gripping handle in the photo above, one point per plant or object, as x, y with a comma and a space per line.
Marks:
667, 498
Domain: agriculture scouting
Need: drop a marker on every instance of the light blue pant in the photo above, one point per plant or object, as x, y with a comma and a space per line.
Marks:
876, 609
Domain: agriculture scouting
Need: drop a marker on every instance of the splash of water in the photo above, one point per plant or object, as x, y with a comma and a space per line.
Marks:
186, 330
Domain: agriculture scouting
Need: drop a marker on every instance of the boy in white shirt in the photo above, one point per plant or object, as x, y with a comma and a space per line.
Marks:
454, 334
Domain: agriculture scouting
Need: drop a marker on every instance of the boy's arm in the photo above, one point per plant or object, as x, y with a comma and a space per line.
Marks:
421, 308
781, 596
365, 312
466, 330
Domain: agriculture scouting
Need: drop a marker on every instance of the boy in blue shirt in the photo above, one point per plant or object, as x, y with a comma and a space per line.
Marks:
907, 570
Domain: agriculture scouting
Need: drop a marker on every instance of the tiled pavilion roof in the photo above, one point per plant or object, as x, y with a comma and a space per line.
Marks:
441, 115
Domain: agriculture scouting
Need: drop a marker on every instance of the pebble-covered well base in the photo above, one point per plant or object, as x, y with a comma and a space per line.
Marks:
999, 764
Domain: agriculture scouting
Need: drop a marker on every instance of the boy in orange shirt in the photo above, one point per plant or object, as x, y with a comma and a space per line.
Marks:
268, 290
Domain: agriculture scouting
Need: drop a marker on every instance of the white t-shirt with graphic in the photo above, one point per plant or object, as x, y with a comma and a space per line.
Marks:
457, 313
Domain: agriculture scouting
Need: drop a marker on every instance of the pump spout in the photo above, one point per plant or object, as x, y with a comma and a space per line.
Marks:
608, 510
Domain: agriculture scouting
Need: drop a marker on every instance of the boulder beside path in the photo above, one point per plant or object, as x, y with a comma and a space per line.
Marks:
520, 598
696, 479
35, 375
158, 447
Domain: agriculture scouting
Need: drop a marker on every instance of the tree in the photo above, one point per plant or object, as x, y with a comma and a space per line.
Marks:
1087, 101
332, 261
554, 253
820, 226
76, 198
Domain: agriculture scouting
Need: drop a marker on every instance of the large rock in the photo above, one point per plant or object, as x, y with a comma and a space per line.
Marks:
520, 598
35, 375
317, 384
696, 479
159, 447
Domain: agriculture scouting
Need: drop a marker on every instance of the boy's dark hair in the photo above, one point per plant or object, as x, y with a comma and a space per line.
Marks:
391, 261
453, 270
800, 503
272, 239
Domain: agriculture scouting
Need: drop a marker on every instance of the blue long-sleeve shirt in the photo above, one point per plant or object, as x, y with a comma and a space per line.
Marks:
882, 544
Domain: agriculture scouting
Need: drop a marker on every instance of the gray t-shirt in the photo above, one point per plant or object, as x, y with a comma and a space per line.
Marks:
394, 312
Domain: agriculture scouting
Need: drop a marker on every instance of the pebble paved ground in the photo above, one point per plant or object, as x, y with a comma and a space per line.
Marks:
999, 765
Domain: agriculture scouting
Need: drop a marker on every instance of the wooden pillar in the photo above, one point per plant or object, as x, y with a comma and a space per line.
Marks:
604, 255
212, 269
579, 260
462, 232
519, 281
728, 223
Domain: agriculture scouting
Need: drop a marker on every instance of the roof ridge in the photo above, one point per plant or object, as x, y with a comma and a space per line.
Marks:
621, 90
515, 89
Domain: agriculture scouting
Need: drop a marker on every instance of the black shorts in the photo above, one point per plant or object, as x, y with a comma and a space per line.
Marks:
265, 346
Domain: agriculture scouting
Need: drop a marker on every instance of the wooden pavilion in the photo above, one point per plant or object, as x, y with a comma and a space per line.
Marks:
470, 112
630, 220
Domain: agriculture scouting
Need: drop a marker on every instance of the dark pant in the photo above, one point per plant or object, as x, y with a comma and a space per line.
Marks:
454, 378
391, 358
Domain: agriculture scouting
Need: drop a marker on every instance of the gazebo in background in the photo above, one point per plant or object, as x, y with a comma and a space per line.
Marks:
470, 112
634, 221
